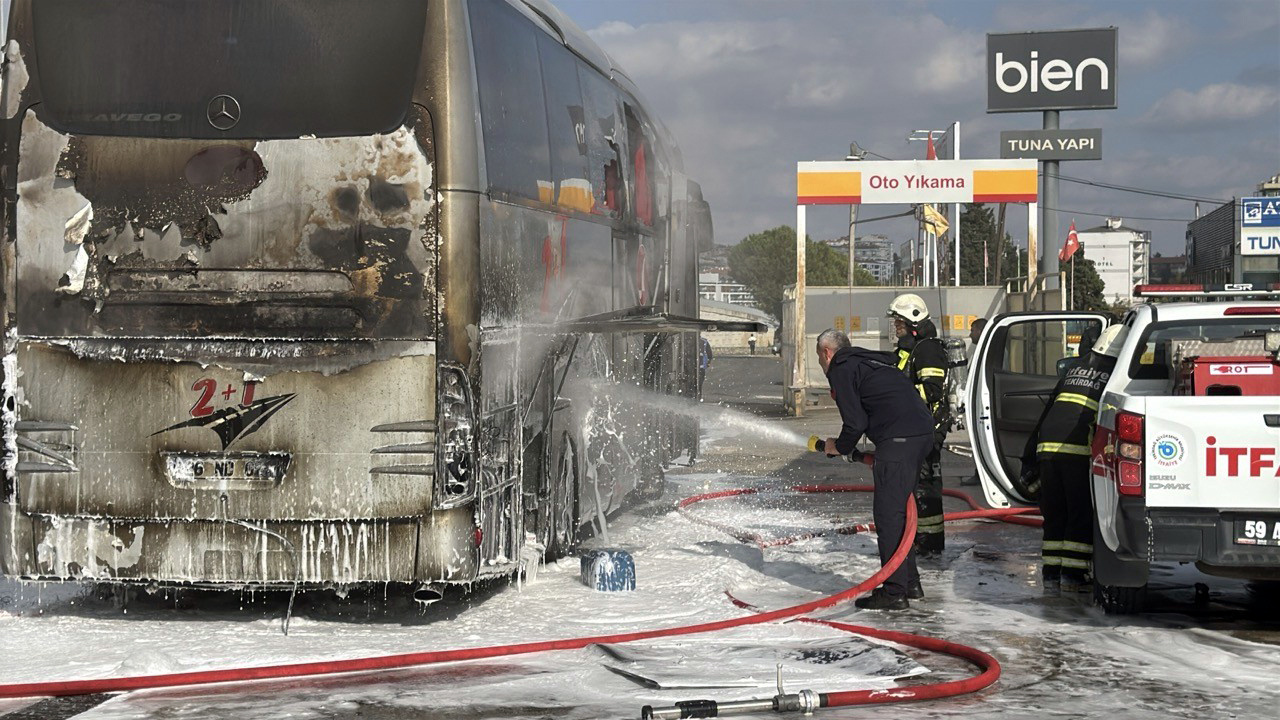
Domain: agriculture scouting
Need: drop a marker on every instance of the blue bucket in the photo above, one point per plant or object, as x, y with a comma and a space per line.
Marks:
608, 570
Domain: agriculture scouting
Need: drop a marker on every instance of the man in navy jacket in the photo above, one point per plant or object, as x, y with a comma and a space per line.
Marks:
877, 400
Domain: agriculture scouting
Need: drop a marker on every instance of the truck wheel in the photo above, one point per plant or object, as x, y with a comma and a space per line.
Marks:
1120, 600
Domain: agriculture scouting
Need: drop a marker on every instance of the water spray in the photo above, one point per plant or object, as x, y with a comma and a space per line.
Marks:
742, 422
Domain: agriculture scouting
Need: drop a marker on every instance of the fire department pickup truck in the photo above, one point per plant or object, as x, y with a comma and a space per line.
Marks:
1186, 455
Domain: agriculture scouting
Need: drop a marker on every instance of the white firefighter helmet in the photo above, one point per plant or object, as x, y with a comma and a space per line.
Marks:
909, 307
1110, 340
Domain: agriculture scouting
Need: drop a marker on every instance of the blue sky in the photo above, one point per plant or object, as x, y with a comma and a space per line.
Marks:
751, 86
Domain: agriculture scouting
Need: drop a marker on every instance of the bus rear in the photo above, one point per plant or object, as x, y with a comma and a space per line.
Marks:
220, 241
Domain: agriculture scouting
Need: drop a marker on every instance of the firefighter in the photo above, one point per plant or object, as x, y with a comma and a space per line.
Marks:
923, 358
876, 400
1062, 442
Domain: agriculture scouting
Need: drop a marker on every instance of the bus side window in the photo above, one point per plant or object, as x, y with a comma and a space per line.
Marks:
642, 165
606, 141
566, 121
511, 101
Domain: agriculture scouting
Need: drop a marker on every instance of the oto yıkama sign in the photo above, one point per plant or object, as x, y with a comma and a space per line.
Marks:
1062, 70
915, 181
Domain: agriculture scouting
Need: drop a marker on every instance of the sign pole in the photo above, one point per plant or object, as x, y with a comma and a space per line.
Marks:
1031, 244
800, 376
1049, 212
955, 207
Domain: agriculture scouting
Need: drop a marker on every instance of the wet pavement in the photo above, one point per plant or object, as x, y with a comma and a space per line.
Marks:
1207, 653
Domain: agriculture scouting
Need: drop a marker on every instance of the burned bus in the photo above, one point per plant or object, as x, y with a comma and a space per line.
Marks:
323, 291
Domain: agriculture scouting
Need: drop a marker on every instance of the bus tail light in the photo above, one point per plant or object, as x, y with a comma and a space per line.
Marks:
1130, 433
455, 472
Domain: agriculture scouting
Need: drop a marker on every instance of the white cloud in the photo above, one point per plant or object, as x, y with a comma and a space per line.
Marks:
1152, 38
748, 90
1212, 105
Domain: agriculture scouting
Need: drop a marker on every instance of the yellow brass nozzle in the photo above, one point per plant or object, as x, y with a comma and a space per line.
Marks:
815, 443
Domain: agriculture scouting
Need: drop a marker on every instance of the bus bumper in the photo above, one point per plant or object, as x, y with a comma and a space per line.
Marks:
234, 554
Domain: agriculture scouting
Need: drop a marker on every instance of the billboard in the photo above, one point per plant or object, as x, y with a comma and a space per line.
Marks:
841, 182
1060, 70
1260, 226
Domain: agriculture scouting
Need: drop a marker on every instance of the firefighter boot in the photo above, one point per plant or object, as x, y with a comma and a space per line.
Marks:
915, 591
881, 600
1050, 579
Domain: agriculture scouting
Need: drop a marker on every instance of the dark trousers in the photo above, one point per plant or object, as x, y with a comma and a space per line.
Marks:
896, 472
1067, 508
929, 535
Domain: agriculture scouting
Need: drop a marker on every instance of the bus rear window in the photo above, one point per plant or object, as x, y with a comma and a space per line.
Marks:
227, 68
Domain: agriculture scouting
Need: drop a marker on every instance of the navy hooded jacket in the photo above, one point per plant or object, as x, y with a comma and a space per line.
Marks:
875, 398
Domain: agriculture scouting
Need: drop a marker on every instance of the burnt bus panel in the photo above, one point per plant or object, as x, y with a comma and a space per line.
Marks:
164, 439
155, 68
539, 267
303, 238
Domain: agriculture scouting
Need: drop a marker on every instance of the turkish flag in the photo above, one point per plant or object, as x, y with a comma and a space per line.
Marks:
1072, 244
932, 154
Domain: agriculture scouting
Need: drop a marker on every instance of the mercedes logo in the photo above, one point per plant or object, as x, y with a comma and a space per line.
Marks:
224, 112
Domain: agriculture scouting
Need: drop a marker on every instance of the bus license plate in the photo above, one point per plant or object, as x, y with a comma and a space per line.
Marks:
1262, 531
226, 471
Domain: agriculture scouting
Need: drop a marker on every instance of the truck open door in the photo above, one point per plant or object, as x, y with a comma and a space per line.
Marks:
1012, 373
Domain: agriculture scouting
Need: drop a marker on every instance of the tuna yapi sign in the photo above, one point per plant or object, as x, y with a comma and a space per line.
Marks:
912, 182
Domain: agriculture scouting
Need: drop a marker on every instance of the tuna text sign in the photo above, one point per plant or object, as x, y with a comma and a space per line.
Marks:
1082, 144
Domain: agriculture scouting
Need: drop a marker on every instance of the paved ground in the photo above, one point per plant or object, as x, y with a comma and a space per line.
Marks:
1188, 656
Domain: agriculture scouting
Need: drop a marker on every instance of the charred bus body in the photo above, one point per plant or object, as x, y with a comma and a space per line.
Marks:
304, 295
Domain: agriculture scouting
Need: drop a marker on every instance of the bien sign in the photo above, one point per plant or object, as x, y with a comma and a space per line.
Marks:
1062, 70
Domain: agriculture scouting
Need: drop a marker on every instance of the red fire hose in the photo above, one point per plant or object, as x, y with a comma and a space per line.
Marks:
385, 662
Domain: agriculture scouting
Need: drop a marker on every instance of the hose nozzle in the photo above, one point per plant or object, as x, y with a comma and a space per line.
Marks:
817, 444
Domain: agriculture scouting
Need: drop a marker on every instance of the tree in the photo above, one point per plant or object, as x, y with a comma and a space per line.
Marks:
978, 227
765, 262
1084, 286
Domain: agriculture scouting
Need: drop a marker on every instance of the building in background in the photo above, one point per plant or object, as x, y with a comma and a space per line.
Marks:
717, 287
1168, 270
1212, 241
875, 254
736, 342
1121, 255
1213, 246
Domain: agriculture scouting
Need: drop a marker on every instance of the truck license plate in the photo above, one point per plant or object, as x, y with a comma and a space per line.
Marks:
1263, 531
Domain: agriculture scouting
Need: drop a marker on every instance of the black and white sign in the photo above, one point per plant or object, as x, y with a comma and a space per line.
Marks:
1062, 70
1085, 144
1260, 226
1257, 531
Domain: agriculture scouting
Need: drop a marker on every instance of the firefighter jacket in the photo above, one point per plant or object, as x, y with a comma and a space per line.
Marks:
1066, 426
923, 358
874, 399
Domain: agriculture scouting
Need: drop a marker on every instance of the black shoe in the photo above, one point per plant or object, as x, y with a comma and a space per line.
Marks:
880, 600
914, 591
930, 547
1076, 582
